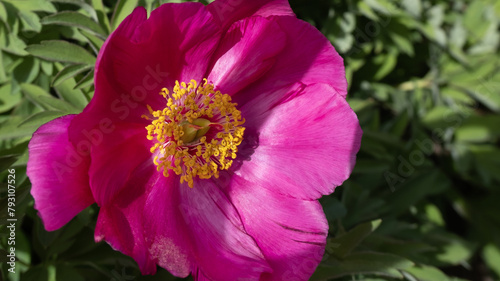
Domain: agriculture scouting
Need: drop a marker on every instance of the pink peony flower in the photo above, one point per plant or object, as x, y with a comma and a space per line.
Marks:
212, 133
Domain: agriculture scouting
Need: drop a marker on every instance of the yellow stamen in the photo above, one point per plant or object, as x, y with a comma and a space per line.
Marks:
197, 133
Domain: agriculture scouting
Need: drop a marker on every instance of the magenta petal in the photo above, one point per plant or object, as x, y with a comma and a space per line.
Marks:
120, 223
114, 157
143, 56
317, 131
167, 234
247, 51
308, 58
58, 174
229, 11
290, 232
221, 247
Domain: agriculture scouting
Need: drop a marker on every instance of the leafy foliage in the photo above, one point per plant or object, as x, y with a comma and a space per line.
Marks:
422, 203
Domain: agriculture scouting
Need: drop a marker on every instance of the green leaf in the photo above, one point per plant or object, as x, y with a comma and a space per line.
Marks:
122, 10
75, 19
487, 93
443, 117
28, 70
6, 161
61, 51
3, 14
8, 99
86, 81
479, 129
69, 72
474, 20
31, 21
427, 273
491, 255
67, 91
362, 263
10, 130
3, 75
101, 15
385, 64
47, 67
92, 13
42, 98
33, 5
15, 46
65, 272
343, 244
40, 118
95, 41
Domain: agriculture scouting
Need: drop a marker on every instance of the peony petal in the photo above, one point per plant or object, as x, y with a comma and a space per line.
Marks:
197, 229
246, 53
58, 174
120, 223
143, 56
114, 158
226, 12
308, 58
290, 232
167, 234
316, 130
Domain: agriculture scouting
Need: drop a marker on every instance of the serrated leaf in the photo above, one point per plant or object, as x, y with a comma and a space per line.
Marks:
69, 72
75, 19
61, 51
122, 10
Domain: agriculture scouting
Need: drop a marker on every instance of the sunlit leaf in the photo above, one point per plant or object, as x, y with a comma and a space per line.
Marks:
61, 51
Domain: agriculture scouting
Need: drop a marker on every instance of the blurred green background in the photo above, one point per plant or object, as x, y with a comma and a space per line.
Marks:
423, 202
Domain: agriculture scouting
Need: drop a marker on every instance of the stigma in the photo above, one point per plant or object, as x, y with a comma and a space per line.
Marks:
197, 133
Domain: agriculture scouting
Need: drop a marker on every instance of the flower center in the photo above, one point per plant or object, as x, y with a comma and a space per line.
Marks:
197, 133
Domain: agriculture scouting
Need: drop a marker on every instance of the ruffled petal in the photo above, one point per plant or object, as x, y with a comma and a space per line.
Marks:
115, 156
290, 232
58, 174
120, 223
203, 221
246, 53
144, 55
308, 58
315, 129
226, 12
